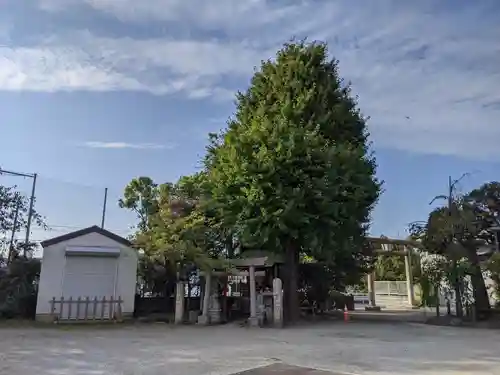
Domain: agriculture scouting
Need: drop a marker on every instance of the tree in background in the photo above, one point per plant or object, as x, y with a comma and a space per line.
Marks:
485, 202
493, 267
14, 209
141, 196
459, 230
293, 172
175, 231
181, 231
18, 274
18, 287
391, 267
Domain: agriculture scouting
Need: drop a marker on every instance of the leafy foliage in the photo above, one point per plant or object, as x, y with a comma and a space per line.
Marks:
141, 196
14, 209
292, 173
10, 201
392, 268
175, 231
485, 202
493, 266
440, 273
458, 231
18, 287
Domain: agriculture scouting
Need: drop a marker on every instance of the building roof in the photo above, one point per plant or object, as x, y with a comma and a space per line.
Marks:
83, 232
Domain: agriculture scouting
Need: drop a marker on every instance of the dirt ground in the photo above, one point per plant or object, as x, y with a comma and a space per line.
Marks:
342, 348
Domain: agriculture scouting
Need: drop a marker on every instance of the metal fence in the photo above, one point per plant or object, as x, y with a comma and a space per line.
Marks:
86, 309
391, 288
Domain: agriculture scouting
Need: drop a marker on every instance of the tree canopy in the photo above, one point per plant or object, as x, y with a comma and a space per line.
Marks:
293, 171
460, 228
14, 210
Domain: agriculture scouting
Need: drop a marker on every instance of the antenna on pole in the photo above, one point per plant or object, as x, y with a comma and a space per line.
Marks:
104, 207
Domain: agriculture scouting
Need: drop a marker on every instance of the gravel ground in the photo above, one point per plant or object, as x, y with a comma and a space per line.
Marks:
345, 348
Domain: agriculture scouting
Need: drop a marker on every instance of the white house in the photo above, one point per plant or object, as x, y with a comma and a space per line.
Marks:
88, 263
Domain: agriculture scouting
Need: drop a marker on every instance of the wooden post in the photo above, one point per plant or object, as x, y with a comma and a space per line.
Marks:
86, 315
103, 307
94, 312
112, 302
70, 303
53, 307
119, 312
61, 308
78, 301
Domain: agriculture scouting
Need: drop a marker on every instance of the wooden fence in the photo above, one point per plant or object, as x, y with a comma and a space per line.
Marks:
86, 309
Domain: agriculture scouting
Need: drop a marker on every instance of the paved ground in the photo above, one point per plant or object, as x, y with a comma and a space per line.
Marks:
353, 348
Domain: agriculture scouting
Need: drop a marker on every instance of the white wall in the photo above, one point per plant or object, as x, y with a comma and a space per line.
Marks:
52, 272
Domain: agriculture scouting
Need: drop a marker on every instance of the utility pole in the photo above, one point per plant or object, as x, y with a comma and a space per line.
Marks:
104, 207
13, 234
30, 215
32, 201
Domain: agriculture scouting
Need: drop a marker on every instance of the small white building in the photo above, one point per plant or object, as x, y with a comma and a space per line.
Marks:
86, 264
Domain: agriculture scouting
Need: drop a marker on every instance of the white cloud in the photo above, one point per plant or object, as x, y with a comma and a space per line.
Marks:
445, 93
122, 145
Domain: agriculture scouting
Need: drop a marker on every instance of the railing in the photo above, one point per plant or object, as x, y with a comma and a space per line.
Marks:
391, 288
86, 309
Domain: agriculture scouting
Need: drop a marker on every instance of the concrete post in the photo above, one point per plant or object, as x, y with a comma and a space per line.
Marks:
179, 302
253, 298
260, 309
203, 318
371, 292
214, 311
409, 278
277, 303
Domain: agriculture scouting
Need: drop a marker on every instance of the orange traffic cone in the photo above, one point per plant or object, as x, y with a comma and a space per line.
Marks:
346, 314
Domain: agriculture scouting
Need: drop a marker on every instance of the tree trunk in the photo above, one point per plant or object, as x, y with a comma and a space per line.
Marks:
291, 297
458, 301
229, 246
436, 294
482, 301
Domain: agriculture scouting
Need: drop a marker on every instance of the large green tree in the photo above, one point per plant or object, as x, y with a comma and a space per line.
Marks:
293, 172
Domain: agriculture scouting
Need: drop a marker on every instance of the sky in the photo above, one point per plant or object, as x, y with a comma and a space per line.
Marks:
96, 92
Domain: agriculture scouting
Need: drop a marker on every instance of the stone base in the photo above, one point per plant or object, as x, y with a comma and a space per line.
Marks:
253, 322
193, 316
203, 320
215, 317
372, 308
45, 318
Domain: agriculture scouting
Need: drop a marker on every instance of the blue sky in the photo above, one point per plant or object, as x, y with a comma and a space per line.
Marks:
96, 92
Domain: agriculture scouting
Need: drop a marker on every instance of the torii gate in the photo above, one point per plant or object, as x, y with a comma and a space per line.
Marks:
392, 246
